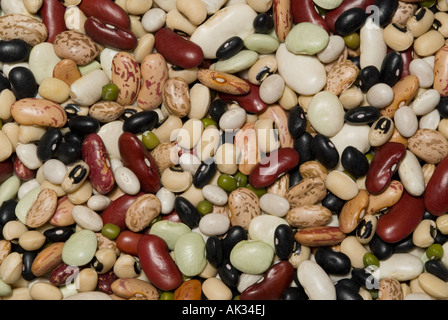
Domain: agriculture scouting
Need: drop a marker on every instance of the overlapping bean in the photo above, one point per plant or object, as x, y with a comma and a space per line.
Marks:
253, 150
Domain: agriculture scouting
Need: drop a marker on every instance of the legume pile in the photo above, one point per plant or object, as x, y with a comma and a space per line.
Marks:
224, 149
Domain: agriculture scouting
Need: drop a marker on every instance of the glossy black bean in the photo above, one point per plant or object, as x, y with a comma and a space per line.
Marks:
349, 283
128, 112
294, 293
73, 137
379, 248
4, 82
213, 251
84, 124
346, 291
333, 203
364, 278
296, 121
384, 10
440, 238
8, 211
15, 247
187, 212
68, 152
47, 145
58, 234
263, 23
437, 268
404, 245
229, 274
324, 151
230, 47
333, 262
350, 21
27, 262
362, 115
354, 161
217, 108
368, 77
283, 241
141, 122
234, 235
204, 174
295, 176
391, 68
23, 83
14, 50
302, 145
442, 107
356, 60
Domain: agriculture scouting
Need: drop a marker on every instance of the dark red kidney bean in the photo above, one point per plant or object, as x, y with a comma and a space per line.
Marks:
217, 108
384, 164
127, 242
332, 15
204, 174
105, 281
385, 9
178, 50
436, 201
27, 262
95, 154
187, 212
297, 121
368, 77
324, 151
437, 268
251, 102
141, 121
23, 83
234, 235
272, 166
58, 234
283, 241
109, 34
333, 203
139, 160
14, 50
294, 293
6, 169
59, 275
230, 47
332, 261
213, 250
305, 11
346, 291
52, 13
23, 172
381, 249
362, 115
406, 56
84, 125
354, 161
68, 152
115, 213
228, 273
49, 142
276, 279
350, 21
106, 10
302, 145
173, 217
157, 263
402, 218
263, 23
391, 68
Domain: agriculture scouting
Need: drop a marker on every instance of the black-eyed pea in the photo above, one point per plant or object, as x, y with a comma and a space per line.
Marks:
82, 194
260, 70
421, 22
366, 228
86, 280
441, 23
104, 260
397, 37
32, 240
127, 266
381, 131
135, 289
442, 5
75, 176
226, 157
13, 230
425, 233
11, 268
442, 223
390, 289
429, 43
354, 250
175, 179
42, 290
353, 211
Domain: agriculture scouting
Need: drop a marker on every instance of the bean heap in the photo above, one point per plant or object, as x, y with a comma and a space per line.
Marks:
224, 149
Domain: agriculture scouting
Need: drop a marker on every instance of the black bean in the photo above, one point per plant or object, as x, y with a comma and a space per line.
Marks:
230, 47
354, 161
187, 212
141, 122
324, 151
